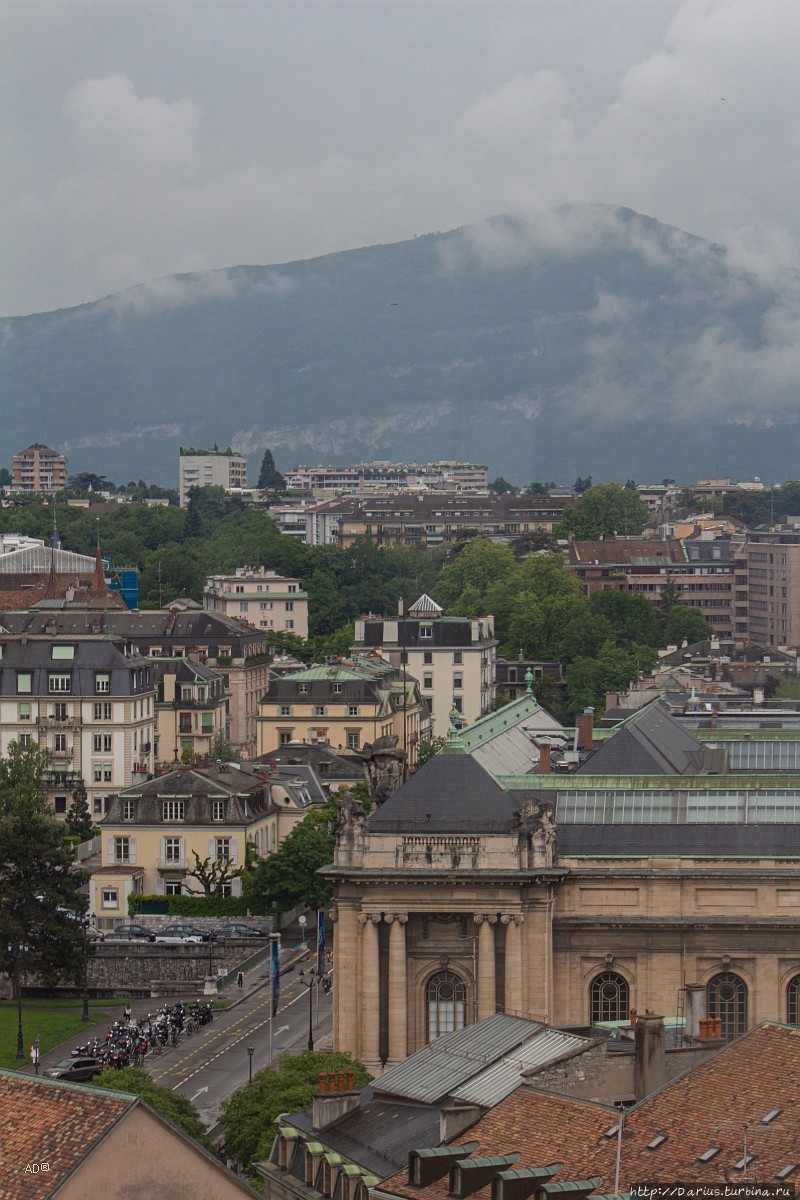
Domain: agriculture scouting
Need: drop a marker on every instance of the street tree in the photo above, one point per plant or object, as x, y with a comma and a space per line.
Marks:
39, 886
686, 622
249, 1115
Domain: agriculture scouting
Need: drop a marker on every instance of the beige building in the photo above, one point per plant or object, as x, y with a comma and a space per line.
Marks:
89, 700
453, 658
38, 469
261, 597
80, 1142
346, 705
191, 708
152, 831
655, 873
773, 587
209, 468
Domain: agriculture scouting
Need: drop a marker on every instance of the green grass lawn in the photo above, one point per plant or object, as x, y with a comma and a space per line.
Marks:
55, 1020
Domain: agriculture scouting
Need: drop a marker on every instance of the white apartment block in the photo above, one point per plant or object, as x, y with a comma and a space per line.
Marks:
89, 700
207, 468
384, 476
453, 658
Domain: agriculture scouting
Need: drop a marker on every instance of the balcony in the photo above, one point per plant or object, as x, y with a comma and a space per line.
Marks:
67, 752
61, 779
141, 768
171, 864
57, 722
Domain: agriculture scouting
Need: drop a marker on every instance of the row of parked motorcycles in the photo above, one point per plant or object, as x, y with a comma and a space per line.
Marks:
129, 1041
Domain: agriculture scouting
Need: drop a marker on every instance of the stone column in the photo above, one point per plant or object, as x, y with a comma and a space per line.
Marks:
398, 991
487, 992
345, 997
370, 990
513, 1004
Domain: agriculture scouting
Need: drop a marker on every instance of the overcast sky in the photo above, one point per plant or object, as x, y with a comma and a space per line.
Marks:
146, 137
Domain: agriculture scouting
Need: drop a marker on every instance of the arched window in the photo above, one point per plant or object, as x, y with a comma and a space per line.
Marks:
445, 1006
793, 1001
726, 997
609, 998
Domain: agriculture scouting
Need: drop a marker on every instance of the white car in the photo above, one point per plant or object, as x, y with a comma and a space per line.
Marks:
177, 934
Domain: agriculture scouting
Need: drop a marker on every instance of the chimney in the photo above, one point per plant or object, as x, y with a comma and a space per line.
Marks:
695, 1007
714, 718
585, 727
649, 1064
758, 695
544, 760
335, 1099
453, 1120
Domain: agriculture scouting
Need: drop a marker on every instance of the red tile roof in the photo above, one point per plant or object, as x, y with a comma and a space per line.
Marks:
709, 1106
46, 1121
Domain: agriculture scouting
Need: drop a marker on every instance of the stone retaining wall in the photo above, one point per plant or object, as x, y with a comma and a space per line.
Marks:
120, 966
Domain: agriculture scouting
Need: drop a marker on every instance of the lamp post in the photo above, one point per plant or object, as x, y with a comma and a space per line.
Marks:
251, 1051
85, 922
312, 979
18, 949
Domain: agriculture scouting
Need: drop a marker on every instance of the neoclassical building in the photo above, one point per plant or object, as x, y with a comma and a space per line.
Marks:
673, 885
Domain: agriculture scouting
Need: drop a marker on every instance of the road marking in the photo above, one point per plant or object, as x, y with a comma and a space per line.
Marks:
194, 1097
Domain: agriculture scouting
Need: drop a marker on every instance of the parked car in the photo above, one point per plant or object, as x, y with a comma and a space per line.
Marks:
94, 934
117, 935
240, 931
76, 1069
137, 931
181, 933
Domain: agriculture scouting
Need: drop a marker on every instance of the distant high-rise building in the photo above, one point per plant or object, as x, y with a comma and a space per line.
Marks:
38, 469
207, 468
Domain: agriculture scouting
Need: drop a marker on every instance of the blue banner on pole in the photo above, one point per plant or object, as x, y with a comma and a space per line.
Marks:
321, 942
276, 974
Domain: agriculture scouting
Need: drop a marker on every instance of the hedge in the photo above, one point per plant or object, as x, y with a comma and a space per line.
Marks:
199, 906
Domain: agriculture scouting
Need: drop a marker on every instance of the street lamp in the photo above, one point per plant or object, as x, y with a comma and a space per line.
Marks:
85, 922
18, 949
312, 979
251, 1051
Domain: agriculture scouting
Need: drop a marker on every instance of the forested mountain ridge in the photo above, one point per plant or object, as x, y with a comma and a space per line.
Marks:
590, 340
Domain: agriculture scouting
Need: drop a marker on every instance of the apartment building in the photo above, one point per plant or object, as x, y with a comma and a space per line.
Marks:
773, 586
37, 468
191, 707
452, 657
407, 519
180, 629
89, 701
709, 574
208, 468
347, 704
261, 597
384, 476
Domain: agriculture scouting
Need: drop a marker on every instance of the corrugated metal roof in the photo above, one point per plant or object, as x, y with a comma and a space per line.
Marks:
435, 1071
498, 1081
425, 606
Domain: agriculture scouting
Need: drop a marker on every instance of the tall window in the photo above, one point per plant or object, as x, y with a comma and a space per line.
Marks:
609, 998
222, 849
445, 1004
122, 849
726, 997
172, 849
793, 1001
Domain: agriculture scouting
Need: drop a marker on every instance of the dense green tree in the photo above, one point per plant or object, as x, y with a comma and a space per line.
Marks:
582, 484
787, 688
248, 1116
289, 876
687, 622
79, 819
427, 748
163, 1099
632, 617
471, 570
221, 749
269, 477
604, 510
5, 477
501, 486
39, 886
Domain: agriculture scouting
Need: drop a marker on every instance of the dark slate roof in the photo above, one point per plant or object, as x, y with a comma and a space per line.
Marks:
651, 742
452, 792
379, 1135
247, 795
320, 757
700, 841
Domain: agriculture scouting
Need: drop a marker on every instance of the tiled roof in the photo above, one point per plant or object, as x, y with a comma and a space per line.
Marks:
710, 1106
613, 551
43, 1120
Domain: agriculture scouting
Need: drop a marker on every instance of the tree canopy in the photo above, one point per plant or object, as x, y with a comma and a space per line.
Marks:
270, 478
176, 1108
248, 1116
39, 887
604, 510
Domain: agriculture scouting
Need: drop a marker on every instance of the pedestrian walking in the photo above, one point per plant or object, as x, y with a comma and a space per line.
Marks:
240, 979
127, 1014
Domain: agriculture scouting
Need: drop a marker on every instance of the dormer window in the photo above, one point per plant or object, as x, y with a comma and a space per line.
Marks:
217, 810
102, 682
173, 810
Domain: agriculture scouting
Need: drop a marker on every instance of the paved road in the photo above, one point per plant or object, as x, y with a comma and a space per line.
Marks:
214, 1062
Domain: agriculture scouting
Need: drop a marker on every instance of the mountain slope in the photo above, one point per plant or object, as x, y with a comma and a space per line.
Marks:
592, 340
